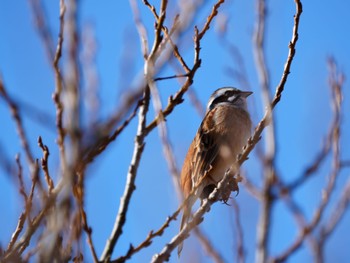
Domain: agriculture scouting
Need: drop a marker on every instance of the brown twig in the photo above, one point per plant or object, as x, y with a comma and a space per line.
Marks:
21, 244
88, 231
91, 151
22, 190
16, 233
210, 18
152, 234
44, 164
59, 84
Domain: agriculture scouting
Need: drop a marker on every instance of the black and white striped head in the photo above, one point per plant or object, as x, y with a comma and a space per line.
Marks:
229, 96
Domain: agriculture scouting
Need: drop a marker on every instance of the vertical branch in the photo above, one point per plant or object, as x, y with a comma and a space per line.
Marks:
270, 145
72, 92
238, 225
57, 95
130, 181
149, 71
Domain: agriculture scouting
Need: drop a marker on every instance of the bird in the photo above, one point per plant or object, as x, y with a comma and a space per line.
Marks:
220, 138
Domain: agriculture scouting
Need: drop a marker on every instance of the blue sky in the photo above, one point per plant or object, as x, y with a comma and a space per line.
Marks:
302, 118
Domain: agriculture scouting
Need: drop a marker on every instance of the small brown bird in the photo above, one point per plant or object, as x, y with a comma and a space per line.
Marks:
221, 136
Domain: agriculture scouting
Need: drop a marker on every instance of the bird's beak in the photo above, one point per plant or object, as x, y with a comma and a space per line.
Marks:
245, 94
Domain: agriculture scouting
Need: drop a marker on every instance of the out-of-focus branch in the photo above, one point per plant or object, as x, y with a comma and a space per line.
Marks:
88, 231
90, 74
21, 244
314, 166
239, 236
42, 27
328, 228
200, 108
279, 89
22, 189
16, 233
263, 228
90, 152
20, 128
208, 246
336, 82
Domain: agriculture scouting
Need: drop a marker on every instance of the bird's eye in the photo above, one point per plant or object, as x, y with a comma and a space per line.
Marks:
227, 93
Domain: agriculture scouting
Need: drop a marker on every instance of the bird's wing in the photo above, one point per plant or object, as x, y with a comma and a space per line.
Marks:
207, 148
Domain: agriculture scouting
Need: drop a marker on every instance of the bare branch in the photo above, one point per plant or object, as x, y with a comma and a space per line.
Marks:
44, 164
152, 234
210, 18
267, 200
56, 96
19, 228
130, 183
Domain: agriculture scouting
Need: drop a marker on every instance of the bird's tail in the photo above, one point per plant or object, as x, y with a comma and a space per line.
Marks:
186, 215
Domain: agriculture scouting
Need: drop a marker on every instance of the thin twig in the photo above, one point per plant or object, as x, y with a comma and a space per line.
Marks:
19, 228
19, 126
88, 231
152, 234
213, 14
59, 84
22, 189
21, 244
44, 164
